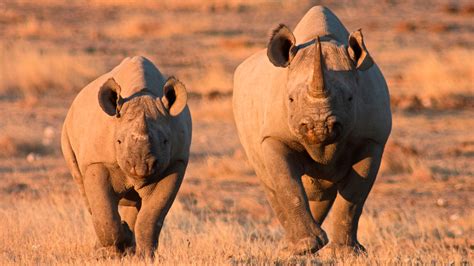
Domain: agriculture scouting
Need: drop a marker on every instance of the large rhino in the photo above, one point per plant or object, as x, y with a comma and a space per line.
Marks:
313, 115
126, 141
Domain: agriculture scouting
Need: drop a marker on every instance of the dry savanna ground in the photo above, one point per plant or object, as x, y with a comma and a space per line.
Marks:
419, 212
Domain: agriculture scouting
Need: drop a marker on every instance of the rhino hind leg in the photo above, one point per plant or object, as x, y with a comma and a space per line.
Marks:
321, 195
112, 235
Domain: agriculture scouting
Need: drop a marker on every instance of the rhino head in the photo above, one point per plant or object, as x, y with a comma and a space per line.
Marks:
321, 83
142, 130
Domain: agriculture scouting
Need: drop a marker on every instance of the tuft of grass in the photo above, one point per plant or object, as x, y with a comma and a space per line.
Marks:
14, 147
439, 73
28, 70
132, 26
403, 159
436, 80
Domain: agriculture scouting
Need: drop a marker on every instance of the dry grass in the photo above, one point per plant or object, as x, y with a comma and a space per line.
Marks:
32, 27
440, 73
29, 70
419, 212
436, 79
170, 5
400, 159
138, 26
58, 231
29, 148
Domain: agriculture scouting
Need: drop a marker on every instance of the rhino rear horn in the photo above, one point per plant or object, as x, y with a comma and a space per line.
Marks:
175, 96
358, 52
281, 47
109, 98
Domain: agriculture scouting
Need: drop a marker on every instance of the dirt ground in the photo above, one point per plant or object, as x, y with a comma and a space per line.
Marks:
420, 210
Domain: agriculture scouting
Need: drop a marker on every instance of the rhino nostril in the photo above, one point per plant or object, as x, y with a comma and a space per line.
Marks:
152, 164
337, 129
133, 171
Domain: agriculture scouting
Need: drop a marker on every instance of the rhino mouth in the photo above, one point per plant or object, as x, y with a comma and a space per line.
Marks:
320, 133
142, 169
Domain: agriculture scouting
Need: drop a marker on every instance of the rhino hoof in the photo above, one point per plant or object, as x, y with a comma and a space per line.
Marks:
309, 245
110, 252
354, 249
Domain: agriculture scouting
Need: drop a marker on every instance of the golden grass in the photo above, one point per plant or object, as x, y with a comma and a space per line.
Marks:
433, 79
29, 70
171, 5
56, 230
141, 26
439, 73
221, 216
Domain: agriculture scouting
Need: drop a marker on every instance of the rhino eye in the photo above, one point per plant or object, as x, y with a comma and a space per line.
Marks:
350, 98
165, 141
119, 141
291, 99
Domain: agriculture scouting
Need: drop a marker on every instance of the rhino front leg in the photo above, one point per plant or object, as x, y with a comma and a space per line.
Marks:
157, 199
352, 193
284, 173
103, 205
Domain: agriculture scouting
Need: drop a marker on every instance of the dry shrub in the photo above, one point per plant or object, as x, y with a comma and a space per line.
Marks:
456, 9
405, 26
465, 148
439, 78
448, 71
440, 27
401, 159
172, 5
8, 16
8, 146
33, 27
214, 79
139, 26
468, 9
14, 147
211, 110
30, 70
450, 8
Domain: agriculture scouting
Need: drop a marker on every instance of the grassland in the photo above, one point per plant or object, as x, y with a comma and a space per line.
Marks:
419, 212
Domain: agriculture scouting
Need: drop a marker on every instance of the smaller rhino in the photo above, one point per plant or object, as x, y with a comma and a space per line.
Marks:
126, 141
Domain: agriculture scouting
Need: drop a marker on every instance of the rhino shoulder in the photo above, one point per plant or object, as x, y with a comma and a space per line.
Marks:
374, 110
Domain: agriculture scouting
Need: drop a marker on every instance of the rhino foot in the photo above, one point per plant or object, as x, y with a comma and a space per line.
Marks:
109, 252
308, 245
129, 238
353, 249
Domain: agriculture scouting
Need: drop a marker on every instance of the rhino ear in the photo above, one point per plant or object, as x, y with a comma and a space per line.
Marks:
175, 96
358, 52
281, 47
109, 97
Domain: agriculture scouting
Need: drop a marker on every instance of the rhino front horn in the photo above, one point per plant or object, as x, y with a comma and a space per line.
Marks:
317, 88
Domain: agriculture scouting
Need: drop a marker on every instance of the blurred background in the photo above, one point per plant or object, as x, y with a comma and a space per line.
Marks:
420, 208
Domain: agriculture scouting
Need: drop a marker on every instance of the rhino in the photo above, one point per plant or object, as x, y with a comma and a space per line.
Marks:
313, 115
126, 141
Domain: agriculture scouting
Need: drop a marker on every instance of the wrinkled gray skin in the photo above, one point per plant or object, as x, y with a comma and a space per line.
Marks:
313, 115
126, 140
